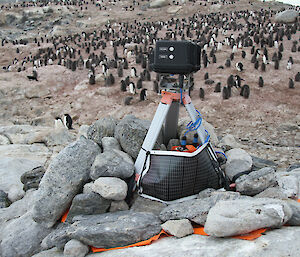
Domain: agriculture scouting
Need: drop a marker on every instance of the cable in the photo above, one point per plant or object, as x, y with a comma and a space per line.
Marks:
222, 154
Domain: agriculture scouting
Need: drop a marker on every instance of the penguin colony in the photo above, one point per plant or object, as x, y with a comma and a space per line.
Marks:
119, 52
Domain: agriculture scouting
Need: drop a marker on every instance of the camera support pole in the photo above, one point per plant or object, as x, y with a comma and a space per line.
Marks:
168, 98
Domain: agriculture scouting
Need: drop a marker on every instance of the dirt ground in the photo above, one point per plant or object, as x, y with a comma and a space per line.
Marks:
267, 124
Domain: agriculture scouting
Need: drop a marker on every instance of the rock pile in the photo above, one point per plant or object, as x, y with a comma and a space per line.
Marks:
90, 178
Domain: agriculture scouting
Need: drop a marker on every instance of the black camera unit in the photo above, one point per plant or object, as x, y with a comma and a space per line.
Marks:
175, 57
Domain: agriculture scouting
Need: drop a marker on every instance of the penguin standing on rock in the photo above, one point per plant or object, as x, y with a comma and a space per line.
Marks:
68, 121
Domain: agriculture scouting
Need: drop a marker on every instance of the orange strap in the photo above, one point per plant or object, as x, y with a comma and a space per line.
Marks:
142, 243
189, 149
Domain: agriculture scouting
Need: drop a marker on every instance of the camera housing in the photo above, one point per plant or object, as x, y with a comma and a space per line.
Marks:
175, 57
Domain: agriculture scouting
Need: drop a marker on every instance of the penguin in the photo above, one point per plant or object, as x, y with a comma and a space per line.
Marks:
92, 78
201, 93
297, 77
231, 56
127, 100
230, 81
67, 121
120, 71
239, 66
245, 91
143, 94
123, 86
155, 87
260, 81
291, 59
276, 66
58, 123
289, 65
133, 72
218, 87
291, 83
148, 75
256, 64
243, 54
34, 75
238, 81
225, 93
280, 47
132, 89
139, 84
206, 76
263, 67
228, 63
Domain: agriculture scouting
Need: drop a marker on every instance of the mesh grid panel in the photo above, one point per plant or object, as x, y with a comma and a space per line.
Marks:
173, 177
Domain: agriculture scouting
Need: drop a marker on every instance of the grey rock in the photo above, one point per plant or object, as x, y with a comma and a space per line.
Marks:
114, 163
88, 204
131, 132
75, 248
259, 163
206, 193
195, 210
142, 204
83, 130
32, 178
88, 188
228, 142
272, 192
104, 127
289, 185
158, 3
295, 219
110, 188
11, 170
34, 152
53, 252
63, 179
174, 9
287, 16
4, 201
273, 244
22, 237
238, 160
4, 140
18, 208
293, 166
107, 230
109, 143
173, 142
178, 228
118, 206
246, 215
256, 181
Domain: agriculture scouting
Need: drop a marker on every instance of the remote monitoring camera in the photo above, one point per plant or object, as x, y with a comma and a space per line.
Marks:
176, 57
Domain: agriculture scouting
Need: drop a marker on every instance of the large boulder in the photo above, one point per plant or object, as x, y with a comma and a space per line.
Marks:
287, 16
63, 179
11, 170
88, 204
289, 184
256, 181
238, 160
113, 163
22, 237
109, 143
195, 210
246, 215
104, 127
107, 230
131, 132
158, 3
259, 163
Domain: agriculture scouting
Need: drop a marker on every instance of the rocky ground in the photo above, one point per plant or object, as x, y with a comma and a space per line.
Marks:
267, 123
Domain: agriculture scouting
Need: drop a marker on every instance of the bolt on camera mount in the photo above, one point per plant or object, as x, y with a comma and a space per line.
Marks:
171, 175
